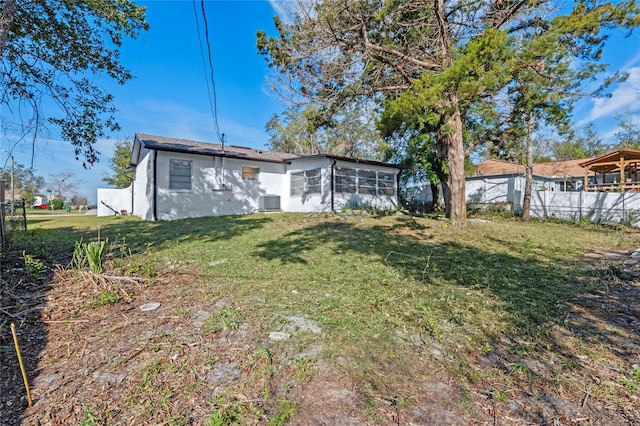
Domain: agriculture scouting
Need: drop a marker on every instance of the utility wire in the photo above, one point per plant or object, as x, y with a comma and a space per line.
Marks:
210, 93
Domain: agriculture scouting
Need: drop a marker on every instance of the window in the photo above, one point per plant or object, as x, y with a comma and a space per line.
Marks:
386, 183
313, 181
306, 182
366, 182
345, 180
250, 173
297, 183
179, 174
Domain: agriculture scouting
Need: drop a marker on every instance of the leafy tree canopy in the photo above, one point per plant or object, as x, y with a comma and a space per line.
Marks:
51, 51
120, 164
454, 69
26, 183
351, 133
628, 137
585, 144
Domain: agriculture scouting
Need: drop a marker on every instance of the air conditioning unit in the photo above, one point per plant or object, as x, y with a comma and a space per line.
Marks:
269, 203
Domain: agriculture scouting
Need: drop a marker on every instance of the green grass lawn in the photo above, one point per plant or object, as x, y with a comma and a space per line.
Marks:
487, 306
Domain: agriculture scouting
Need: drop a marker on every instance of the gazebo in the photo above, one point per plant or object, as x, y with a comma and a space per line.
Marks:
613, 171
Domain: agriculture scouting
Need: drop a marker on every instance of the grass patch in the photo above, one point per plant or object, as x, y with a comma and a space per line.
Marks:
227, 319
396, 303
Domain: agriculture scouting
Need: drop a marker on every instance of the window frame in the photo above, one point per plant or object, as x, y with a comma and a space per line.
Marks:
389, 187
307, 182
345, 178
176, 165
364, 182
367, 182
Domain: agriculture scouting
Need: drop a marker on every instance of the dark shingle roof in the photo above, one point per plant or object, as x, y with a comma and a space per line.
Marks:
162, 143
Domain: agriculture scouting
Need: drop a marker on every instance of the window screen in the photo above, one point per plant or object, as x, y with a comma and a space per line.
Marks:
306, 182
179, 174
345, 180
366, 182
313, 181
386, 184
297, 183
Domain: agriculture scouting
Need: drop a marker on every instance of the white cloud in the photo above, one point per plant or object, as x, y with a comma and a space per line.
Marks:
285, 9
624, 97
631, 63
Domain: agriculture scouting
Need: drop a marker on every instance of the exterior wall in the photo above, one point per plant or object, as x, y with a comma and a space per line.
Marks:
217, 187
142, 188
117, 199
322, 202
383, 202
312, 202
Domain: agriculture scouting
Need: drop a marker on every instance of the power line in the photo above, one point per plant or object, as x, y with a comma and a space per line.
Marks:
211, 89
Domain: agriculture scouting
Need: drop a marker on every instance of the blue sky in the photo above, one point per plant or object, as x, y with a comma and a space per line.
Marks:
168, 96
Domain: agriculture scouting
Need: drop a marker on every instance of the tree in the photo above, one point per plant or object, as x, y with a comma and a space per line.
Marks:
26, 183
295, 132
431, 62
79, 200
120, 163
62, 184
307, 130
629, 135
51, 51
355, 134
584, 144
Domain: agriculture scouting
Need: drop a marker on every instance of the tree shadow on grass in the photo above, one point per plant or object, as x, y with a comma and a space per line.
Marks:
23, 295
140, 235
532, 291
535, 294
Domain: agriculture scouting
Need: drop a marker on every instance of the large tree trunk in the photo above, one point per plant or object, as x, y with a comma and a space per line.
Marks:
435, 196
449, 146
6, 20
528, 182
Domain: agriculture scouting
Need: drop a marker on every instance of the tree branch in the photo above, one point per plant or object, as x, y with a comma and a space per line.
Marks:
432, 66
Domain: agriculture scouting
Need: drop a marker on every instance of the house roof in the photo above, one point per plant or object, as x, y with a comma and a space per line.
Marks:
550, 169
497, 167
162, 143
560, 168
611, 160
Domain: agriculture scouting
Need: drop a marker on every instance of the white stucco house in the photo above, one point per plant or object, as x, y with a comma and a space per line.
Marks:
177, 178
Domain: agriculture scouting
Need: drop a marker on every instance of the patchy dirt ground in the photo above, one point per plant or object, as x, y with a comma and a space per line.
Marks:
96, 357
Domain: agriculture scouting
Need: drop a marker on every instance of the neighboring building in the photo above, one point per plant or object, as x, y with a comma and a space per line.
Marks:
614, 171
177, 178
39, 201
500, 182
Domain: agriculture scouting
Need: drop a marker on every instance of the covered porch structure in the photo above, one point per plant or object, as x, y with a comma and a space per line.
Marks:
615, 171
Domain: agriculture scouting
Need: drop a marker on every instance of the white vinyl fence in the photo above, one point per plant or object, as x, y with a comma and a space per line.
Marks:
597, 207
